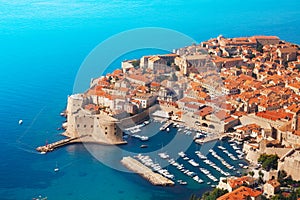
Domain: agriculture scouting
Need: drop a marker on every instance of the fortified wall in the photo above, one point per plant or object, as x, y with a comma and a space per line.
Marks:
138, 118
99, 128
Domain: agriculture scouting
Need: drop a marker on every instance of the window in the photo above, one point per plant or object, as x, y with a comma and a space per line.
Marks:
84, 126
105, 132
92, 126
105, 128
78, 125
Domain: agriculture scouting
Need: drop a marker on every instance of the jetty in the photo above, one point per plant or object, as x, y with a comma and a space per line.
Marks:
52, 146
210, 138
166, 125
137, 167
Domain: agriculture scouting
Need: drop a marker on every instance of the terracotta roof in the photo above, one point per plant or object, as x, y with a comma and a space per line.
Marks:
222, 115
155, 84
192, 106
274, 183
275, 115
288, 50
242, 193
204, 111
235, 182
262, 37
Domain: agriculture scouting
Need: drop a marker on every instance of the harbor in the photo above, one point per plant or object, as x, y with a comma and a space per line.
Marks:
199, 166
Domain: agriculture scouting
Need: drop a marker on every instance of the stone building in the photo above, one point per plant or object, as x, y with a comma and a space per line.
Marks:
289, 134
290, 163
99, 128
271, 187
232, 183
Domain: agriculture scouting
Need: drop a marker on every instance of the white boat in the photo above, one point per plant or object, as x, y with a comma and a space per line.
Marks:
168, 129
163, 155
43, 152
183, 182
56, 169
196, 178
222, 148
181, 154
192, 162
186, 158
20, 121
144, 138
40, 198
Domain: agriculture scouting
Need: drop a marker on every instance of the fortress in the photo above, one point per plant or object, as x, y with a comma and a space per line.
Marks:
98, 127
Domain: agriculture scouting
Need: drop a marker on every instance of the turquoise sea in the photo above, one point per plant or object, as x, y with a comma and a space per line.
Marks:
43, 44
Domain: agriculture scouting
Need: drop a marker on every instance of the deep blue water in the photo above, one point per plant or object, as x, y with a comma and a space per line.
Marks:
43, 44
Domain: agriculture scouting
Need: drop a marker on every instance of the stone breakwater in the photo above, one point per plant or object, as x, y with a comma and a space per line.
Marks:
137, 167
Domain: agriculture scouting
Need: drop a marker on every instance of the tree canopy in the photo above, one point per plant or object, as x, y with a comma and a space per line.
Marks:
268, 162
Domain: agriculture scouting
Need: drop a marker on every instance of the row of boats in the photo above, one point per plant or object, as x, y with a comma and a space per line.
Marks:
137, 128
222, 160
212, 164
182, 169
141, 137
146, 160
191, 173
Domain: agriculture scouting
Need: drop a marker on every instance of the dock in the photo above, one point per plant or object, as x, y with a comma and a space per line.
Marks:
211, 138
137, 167
50, 147
166, 125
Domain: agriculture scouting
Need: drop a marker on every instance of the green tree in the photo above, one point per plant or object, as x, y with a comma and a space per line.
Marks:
176, 67
251, 173
259, 48
194, 197
268, 161
281, 176
135, 63
213, 195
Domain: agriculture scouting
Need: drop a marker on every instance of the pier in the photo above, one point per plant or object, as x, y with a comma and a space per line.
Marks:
137, 167
166, 125
210, 138
55, 145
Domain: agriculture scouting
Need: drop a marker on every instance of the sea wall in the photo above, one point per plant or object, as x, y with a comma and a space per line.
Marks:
253, 155
137, 167
138, 118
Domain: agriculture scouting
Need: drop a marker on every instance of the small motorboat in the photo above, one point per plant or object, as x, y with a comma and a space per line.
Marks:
40, 198
144, 146
56, 169
20, 121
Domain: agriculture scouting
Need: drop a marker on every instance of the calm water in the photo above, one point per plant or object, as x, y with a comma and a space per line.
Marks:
42, 46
